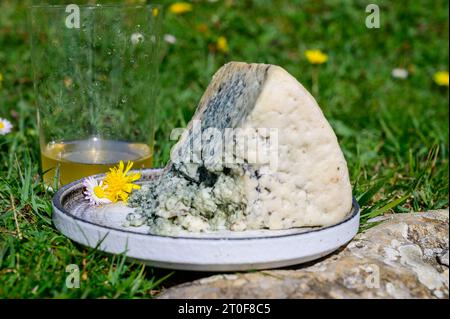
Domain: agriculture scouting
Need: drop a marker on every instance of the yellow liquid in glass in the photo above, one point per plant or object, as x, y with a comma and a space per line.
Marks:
78, 159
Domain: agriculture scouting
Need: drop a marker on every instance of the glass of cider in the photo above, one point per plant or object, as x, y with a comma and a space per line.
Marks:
95, 71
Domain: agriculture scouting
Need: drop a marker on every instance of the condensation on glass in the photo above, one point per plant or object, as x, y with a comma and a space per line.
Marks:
96, 83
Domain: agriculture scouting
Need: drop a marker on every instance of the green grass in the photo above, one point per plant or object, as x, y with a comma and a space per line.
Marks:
394, 133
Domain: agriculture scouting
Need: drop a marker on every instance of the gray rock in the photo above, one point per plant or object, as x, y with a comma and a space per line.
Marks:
443, 258
406, 256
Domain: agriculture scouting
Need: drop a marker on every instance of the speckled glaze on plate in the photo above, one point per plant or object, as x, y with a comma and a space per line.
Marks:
102, 227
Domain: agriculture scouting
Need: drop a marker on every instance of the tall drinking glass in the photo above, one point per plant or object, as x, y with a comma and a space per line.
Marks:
96, 82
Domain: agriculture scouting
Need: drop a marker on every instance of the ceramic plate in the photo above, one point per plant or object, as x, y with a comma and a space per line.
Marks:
102, 227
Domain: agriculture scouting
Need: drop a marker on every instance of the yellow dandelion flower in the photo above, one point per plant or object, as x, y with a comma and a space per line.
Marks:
316, 56
1, 79
222, 44
180, 7
119, 183
155, 12
441, 78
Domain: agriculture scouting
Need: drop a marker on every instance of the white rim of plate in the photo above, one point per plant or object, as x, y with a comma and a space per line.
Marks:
147, 174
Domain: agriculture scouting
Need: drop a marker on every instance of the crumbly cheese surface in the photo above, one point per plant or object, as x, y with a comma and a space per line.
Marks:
309, 187
173, 203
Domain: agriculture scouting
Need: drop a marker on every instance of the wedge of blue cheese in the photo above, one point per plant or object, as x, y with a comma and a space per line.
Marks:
218, 179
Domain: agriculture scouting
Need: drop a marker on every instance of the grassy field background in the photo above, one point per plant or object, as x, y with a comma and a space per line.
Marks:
394, 132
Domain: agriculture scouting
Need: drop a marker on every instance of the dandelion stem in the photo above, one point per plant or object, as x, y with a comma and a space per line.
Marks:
315, 81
